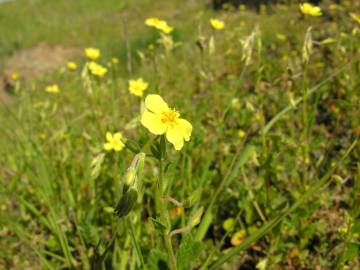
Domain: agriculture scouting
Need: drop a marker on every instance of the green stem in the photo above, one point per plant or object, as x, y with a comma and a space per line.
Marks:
305, 129
164, 217
136, 244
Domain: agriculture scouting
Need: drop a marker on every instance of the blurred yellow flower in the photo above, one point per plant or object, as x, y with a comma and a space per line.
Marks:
355, 17
281, 37
137, 87
114, 142
238, 237
217, 24
52, 89
14, 76
309, 9
335, 7
96, 69
159, 119
71, 65
92, 53
235, 103
159, 24
229, 224
115, 60
241, 133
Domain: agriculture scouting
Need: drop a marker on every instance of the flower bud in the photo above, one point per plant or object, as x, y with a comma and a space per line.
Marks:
126, 202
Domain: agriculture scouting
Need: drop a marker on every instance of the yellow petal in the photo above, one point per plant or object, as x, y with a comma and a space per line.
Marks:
174, 136
118, 136
185, 128
156, 104
118, 146
107, 146
109, 137
153, 123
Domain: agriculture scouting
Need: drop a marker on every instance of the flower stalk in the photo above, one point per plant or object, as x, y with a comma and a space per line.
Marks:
162, 204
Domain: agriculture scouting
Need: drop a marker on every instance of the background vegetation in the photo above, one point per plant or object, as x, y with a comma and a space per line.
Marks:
273, 158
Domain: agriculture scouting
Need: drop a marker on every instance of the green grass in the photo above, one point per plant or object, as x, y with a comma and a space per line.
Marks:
290, 182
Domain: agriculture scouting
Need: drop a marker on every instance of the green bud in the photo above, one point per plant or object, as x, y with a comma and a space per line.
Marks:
130, 177
307, 47
196, 217
126, 203
132, 146
134, 171
140, 162
193, 198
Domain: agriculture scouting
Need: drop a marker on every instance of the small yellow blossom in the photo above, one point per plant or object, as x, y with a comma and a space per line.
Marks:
335, 7
71, 65
137, 87
242, 7
309, 9
217, 24
96, 69
235, 103
52, 89
92, 53
114, 142
159, 24
238, 237
355, 17
14, 76
281, 37
229, 224
241, 133
115, 60
262, 264
159, 119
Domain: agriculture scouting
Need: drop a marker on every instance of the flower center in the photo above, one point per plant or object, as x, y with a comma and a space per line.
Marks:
169, 116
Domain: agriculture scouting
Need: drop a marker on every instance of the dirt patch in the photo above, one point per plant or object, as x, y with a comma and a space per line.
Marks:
35, 62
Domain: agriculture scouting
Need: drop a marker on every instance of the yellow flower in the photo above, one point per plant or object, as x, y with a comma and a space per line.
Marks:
309, 9
92, 53
229, 224
71, 65
281, 37
115, 60
241, 133
14, 76
238, 237
335, 7
235, 103
96, 69
159, 24
159, 119
52, 89
137, 87
217, 24
355, 17
114, 142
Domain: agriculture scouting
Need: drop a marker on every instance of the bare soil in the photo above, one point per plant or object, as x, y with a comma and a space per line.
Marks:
34, 63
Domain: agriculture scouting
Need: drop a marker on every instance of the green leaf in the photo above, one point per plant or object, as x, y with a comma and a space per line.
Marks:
157, 260
189, 252
351, 252
158, 225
